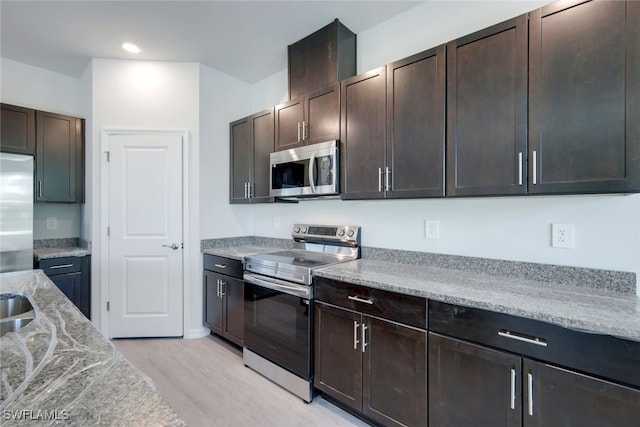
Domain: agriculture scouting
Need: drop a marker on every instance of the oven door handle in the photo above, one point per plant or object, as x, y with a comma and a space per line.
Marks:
302, 291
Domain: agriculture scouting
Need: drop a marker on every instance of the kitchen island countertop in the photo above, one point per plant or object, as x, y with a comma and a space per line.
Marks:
59, 368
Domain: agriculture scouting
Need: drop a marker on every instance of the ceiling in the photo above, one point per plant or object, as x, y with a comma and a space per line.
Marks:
244, 39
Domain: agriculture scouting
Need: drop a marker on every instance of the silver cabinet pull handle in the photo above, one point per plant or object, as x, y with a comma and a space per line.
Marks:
530, 387
298, 131
513, 389
535, 167
356, 341
379, 179
53, 267
173, 246
364, 339
520, 168
222, 290
39, 188
358, 299
304, 134
221, 265
387, 172
511, 335
218, 288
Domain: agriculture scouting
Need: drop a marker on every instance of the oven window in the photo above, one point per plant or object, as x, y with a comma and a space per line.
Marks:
278, 328
290, 175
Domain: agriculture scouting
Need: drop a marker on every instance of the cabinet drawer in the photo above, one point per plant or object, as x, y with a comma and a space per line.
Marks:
223, 265
54, 266
407, 309
603, 355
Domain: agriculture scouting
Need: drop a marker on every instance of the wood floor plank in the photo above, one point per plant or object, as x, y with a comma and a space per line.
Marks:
205, 381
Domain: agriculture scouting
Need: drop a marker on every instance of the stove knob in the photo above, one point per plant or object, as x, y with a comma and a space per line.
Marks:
350, 233
297, 230
303, 230
340, 233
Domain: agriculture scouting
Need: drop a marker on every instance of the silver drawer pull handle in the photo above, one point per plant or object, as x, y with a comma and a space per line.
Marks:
511, 335
220, 265
53, 267
358, 299
356, 341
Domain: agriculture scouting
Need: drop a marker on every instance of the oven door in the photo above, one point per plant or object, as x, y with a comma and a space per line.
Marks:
311, 170
277, 322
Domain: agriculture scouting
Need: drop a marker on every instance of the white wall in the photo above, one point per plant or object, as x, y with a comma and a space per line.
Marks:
223, 99
41, 89
150, 95
518, 228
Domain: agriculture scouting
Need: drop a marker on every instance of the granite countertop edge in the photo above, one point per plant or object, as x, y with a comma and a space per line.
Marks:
50, 253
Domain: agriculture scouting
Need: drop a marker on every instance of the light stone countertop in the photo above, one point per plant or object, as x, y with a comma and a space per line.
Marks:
60, 363
47, 253
579, 308
596, 308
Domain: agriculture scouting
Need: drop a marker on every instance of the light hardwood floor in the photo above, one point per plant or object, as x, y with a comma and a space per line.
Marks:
205, 381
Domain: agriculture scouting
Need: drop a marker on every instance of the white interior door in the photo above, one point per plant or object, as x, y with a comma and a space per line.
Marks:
145, 235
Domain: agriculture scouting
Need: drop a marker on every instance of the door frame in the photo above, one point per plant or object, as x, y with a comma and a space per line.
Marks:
105, 134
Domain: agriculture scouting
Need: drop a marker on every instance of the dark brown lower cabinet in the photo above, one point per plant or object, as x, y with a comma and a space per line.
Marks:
224, 299
375, 366
72, 275
474, 385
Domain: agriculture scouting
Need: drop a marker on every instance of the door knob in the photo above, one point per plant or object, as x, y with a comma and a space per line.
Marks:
173, 246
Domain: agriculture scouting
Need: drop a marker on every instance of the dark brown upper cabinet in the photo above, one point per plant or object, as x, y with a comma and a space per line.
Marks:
251, 144
18, 130
416, 125
59, 158
309, 119
363, 126
584, 89
321, 59
487, 111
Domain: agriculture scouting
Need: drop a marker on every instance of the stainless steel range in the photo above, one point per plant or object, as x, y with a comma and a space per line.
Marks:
278, 334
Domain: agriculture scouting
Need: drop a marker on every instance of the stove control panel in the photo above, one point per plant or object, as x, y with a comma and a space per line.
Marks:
345, 234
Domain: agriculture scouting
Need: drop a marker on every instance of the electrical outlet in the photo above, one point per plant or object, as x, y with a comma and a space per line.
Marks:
562, 235
52, 223
431, 229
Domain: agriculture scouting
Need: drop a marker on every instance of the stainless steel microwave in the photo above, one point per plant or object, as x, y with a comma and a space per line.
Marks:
311, 170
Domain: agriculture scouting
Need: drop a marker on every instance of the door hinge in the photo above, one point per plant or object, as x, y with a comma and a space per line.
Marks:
108, 306
108, 154
108, 231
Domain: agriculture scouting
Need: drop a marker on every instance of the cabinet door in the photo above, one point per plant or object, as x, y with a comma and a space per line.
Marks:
471, 385
289, 117
338, 355
415, 120
18, 130
233, 294
262, 136
56, 158
322, 115
558, 397
213, 303
584, 86
487, 111
363, 103
394, 373
70, 285
240, 135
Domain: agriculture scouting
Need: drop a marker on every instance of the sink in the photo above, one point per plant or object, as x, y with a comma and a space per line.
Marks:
13, 305
16, 312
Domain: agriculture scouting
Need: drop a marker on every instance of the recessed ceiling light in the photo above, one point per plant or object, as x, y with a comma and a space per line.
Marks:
131, 48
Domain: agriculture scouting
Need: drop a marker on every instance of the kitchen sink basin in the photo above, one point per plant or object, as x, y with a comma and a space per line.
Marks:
16, 312
13, 325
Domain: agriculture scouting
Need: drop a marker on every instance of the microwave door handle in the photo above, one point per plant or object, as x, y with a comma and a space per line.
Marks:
312, 162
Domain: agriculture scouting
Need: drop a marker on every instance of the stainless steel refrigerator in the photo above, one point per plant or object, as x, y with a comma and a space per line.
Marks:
16, 212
